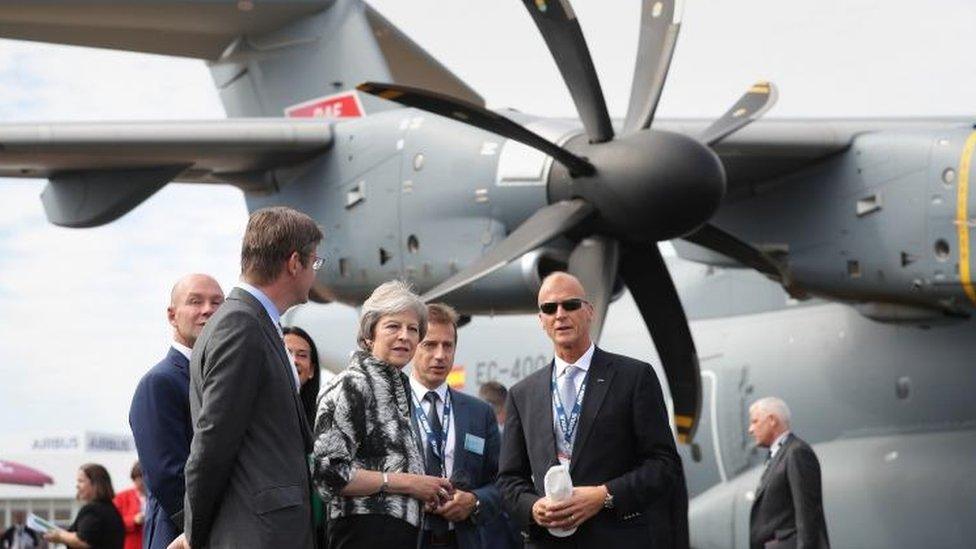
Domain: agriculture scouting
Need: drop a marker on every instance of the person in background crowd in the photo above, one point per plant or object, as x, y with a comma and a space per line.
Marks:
247, 476
98, 524
160, 411
131, 505
303, 352
502, 532
495, 393
19, 535
460, 439
787, 510
602, 416
367, 461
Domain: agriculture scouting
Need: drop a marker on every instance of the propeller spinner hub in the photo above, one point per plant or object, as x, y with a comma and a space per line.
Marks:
648, 186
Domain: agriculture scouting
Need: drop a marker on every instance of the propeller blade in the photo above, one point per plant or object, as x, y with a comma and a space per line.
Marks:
476, 116
660, 23
559, 27
647, 277
754, 103
594, 262
715, 239
542, 226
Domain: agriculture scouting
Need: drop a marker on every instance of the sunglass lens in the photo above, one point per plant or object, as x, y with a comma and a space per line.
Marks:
572, 304
549, 308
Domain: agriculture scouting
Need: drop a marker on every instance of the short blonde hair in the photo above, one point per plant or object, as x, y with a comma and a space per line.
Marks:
389, 298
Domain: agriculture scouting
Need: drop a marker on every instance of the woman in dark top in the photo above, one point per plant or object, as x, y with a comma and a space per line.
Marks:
305, 355
367, 462
98, 524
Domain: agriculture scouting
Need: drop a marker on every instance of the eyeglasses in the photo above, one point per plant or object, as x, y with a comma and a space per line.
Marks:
317, 263
569, 305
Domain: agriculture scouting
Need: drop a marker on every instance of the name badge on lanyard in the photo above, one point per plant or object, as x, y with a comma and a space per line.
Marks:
436, 441
568, 424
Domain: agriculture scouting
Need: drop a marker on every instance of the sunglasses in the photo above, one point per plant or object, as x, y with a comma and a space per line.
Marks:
569, 305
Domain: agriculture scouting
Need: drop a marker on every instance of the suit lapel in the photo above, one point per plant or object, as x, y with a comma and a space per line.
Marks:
271, 332
597, 385
460, 425
542, 441
780, 454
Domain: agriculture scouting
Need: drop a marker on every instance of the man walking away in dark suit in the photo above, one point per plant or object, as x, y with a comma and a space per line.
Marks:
160, 412
788, 508
247, 477
459, 437
603, 416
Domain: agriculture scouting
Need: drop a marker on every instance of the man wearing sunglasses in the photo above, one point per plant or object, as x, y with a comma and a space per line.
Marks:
601, 414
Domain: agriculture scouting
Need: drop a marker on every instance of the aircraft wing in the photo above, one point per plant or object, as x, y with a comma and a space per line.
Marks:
101, 170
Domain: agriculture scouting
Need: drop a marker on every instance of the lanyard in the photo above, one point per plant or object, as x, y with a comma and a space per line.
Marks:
568, 425
437, 443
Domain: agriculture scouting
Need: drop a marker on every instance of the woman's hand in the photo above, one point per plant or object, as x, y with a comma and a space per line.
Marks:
54, 536
432, 491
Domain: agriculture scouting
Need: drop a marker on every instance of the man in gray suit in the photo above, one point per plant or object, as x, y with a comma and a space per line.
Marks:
247, 477
788, 509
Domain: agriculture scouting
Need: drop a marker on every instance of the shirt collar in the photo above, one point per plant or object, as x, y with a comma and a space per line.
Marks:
420, 390
778, 443
583, 363
183, 349
265, 301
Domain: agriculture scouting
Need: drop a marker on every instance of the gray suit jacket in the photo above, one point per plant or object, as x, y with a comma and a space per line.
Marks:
788, 509
247, 477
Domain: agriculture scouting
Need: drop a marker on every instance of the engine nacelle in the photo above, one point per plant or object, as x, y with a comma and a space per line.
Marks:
886, 225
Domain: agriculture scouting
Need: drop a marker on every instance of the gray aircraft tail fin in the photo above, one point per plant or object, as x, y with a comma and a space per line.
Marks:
268, 58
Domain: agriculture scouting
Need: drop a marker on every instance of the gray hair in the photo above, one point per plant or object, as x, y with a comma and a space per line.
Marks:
389, 298
773, 406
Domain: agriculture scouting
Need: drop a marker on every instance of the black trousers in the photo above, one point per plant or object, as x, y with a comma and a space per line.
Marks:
367, 531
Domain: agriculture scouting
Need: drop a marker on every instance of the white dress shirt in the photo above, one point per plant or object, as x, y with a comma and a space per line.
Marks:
419, 391
777, 444
564, 453
183, 349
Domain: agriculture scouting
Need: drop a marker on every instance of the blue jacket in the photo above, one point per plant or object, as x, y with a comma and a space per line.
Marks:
476, 429
160, 422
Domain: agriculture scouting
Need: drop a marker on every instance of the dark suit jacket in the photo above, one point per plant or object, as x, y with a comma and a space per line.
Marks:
474, 417
624, 441
160, 420
247, 477
788, 509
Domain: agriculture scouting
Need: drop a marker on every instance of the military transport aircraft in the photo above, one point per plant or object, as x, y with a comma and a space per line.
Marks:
850, 237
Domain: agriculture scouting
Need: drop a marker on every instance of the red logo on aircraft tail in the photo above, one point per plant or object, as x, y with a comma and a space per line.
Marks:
340, 105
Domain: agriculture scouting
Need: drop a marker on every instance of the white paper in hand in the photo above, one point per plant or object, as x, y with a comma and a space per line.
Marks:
559, 487
38, 524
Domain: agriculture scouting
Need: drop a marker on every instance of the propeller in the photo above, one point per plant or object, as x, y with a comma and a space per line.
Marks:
617, 196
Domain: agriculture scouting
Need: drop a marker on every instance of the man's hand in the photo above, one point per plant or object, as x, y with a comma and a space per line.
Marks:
139, 518
585, 502
179, 543
540, 512
459, 508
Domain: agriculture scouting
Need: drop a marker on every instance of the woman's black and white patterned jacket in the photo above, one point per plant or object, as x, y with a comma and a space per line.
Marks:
363, 422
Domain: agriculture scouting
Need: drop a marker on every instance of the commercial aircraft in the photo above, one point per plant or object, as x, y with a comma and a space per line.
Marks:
823, 261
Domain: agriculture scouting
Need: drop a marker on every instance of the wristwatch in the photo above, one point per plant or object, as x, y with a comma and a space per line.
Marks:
385, 487
608, 501
477, 506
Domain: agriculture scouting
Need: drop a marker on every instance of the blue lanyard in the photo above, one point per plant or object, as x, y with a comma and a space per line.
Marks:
568, 425
437, 443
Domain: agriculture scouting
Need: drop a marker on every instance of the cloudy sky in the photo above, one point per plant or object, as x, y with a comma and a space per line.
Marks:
82, 312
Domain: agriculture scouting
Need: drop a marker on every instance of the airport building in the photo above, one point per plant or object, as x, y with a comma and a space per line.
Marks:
58, 456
